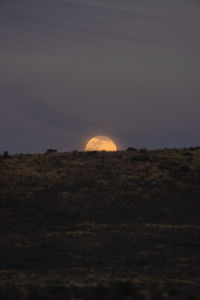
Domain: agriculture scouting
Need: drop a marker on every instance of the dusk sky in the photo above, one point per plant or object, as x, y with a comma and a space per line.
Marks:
73, 69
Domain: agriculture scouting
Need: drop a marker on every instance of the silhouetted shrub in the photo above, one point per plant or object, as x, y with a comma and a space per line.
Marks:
92, 153
194, 148
75, 152
51, 151
131, 149
5, 154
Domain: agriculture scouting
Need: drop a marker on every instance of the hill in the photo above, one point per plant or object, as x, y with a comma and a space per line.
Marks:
84, 219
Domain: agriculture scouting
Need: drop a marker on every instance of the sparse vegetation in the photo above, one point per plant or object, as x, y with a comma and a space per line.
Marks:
51, 151
84, 224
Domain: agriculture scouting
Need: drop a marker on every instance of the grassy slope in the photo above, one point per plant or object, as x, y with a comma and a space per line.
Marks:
89, 218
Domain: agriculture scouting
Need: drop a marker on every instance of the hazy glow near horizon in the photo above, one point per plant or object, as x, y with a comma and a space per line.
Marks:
101, 143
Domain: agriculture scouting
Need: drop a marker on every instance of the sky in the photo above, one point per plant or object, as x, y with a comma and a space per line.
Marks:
73, 69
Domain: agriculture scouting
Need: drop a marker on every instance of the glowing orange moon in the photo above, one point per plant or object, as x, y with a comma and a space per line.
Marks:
101, 143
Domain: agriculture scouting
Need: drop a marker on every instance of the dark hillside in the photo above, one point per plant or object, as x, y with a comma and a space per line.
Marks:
92, 218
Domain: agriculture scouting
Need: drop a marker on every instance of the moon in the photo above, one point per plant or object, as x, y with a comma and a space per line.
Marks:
101, 143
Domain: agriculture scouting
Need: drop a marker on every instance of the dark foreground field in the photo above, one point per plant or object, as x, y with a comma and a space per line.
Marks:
122, 225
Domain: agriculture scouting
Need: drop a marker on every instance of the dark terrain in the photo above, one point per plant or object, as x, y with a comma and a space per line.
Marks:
88, 225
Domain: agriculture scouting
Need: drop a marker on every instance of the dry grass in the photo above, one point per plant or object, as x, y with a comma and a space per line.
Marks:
90, 219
